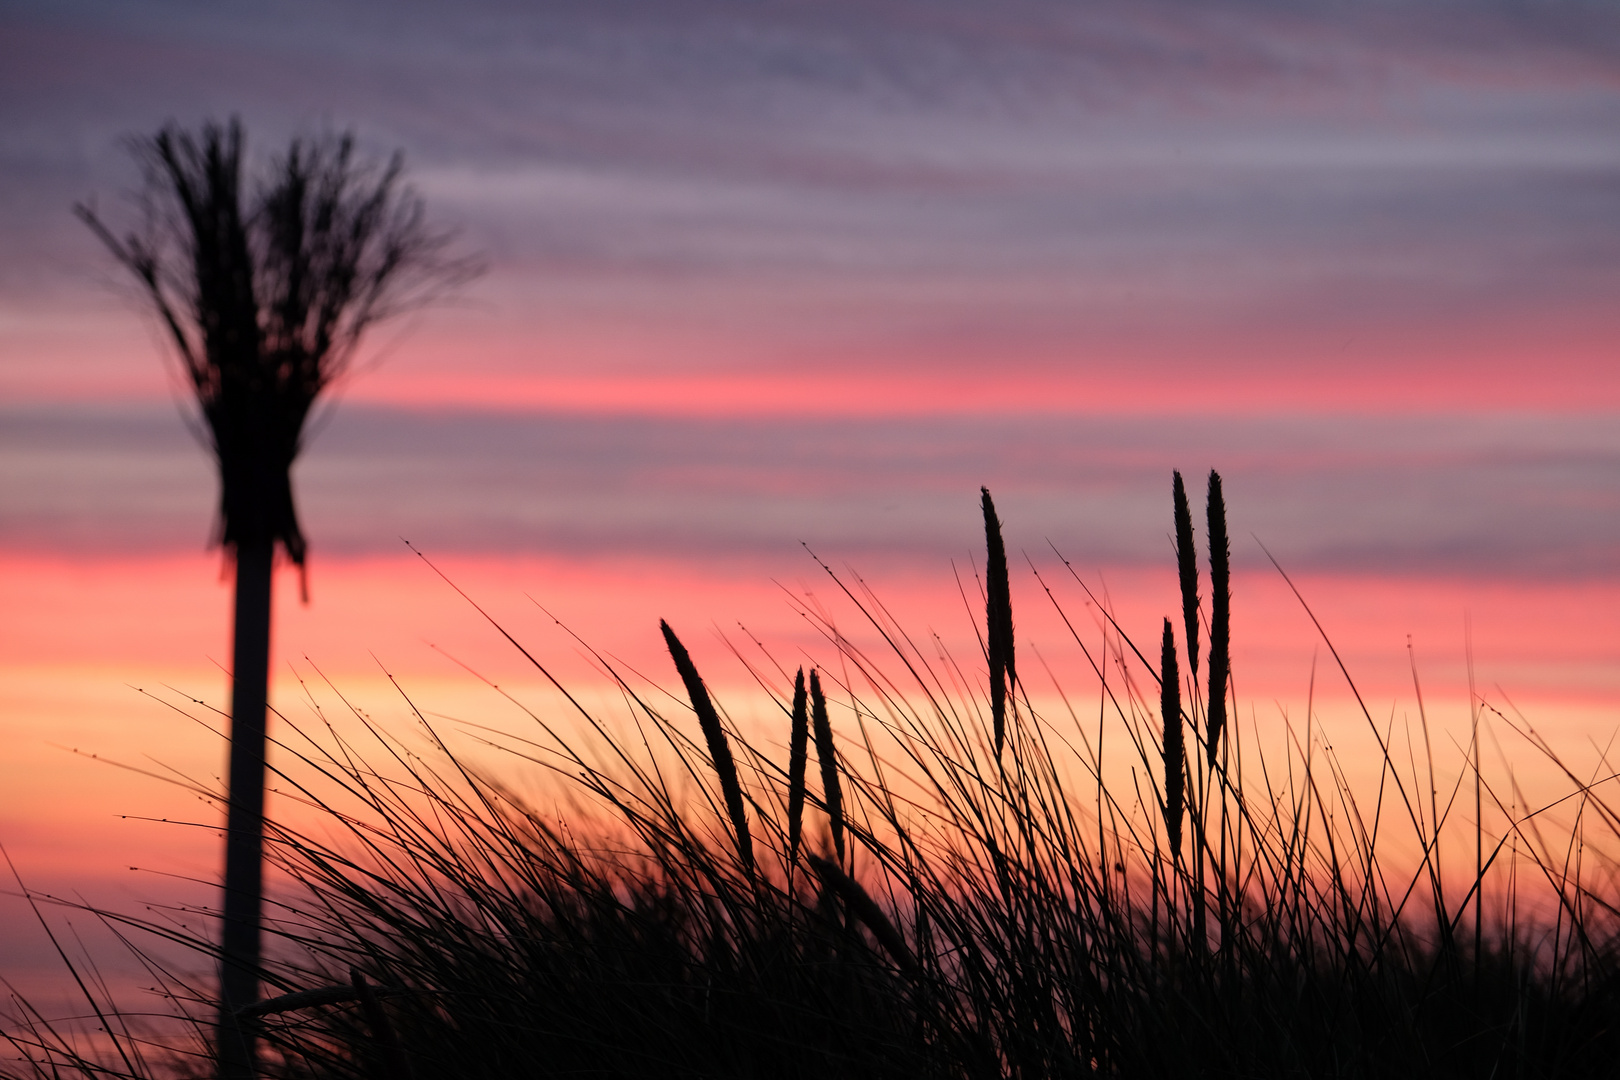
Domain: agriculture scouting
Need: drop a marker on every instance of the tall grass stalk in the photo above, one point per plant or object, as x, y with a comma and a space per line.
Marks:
1175, 782
1220, 617
798, 753
998, 634
725, 766
832, 795
1187, 571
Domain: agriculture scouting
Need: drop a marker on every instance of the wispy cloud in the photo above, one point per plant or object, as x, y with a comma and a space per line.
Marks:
1453, 496
1248, 180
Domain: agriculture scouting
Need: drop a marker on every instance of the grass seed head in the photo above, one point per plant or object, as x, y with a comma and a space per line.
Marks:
998, 621
798, 751
1187, 566
827, 754
1220, 615
719, 749
1174, 753
860, 903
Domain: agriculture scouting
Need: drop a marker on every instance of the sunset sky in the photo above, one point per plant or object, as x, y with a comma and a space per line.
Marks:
770, 273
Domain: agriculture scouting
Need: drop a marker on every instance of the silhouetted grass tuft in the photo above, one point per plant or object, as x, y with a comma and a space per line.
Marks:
1033, 909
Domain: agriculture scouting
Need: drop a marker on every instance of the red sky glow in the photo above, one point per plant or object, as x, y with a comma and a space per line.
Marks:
762, 278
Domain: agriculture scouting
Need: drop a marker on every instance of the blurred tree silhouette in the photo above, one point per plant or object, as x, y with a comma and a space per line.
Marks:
266, 301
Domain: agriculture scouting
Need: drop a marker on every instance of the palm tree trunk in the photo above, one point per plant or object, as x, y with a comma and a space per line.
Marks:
244, 829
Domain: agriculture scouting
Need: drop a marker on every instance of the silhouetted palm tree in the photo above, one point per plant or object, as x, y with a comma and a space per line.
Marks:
265, 301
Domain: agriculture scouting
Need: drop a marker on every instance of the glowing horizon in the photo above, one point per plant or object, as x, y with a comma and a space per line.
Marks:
764, 276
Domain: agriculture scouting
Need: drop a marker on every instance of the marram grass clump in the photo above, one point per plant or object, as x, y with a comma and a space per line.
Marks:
952, 902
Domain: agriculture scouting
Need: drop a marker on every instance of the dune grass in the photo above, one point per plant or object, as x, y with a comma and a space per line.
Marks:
968, 891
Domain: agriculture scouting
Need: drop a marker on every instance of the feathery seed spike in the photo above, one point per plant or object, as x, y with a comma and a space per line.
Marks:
719, 749
857, 900
1187, 565
827, 754
998, 621
1220, 614
798, 751
1174, 752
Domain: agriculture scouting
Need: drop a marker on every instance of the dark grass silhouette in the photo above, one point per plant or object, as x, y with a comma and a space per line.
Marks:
994, 911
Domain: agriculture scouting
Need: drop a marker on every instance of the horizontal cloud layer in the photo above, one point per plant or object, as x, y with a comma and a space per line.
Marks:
1274, 191
1471, 495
